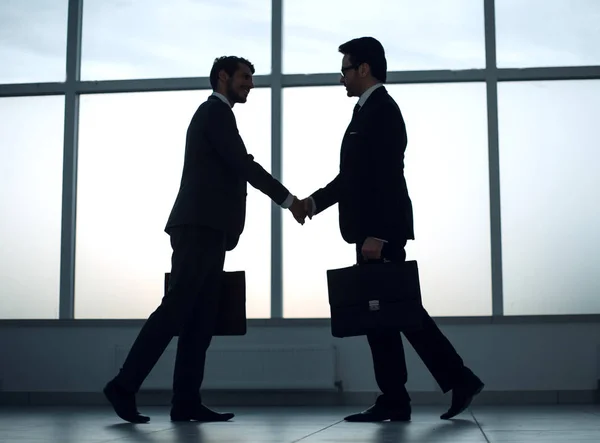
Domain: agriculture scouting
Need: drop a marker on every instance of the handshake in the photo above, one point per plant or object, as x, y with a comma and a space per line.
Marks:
302, 209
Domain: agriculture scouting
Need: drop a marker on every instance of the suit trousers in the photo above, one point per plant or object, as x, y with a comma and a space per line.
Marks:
387, 349
189, 308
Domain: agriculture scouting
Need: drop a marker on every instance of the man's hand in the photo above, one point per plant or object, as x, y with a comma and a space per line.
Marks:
309, 207
298, 210
371, 249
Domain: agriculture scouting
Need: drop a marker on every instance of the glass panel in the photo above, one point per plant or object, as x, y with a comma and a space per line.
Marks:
547, 33
429, 34
31, 165
130, 162
179, 38
447, 175
550, 189
33, 41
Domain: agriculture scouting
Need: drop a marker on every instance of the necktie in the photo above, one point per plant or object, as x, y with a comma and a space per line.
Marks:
356, 109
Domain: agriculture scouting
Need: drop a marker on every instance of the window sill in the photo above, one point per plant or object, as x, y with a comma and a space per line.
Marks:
310, 322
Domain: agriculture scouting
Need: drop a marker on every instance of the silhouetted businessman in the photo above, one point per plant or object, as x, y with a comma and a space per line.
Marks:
207, 220
375, 213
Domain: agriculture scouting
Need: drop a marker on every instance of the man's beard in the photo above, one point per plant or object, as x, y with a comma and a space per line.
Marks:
232, 95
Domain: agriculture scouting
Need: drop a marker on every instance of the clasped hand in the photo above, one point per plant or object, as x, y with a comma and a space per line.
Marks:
302, 209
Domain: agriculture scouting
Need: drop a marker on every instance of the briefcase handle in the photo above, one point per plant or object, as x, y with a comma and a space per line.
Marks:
385, 260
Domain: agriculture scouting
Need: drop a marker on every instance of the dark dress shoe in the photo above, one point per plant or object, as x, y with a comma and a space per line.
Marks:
198, 413
463, 394
379, 412
123, 402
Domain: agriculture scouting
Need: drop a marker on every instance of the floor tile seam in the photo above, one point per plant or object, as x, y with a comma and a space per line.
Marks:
316, 432
479, 426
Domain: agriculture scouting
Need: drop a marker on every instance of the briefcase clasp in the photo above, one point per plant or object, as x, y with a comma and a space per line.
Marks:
373, 305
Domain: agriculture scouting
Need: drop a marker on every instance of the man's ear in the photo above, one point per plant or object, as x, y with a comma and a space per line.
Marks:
223, 75
364, 69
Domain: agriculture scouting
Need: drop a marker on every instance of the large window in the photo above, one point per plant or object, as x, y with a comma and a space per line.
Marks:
131, 150
30, 203
314, 120
33, 41
428, 34
178, 38
550, 192
536, 33
447, 175
503, 185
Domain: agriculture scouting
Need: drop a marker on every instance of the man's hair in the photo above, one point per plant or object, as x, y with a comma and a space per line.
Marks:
229, 64
367, 50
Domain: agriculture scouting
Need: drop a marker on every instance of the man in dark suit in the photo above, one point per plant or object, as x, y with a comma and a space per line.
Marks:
207, 220
375, 213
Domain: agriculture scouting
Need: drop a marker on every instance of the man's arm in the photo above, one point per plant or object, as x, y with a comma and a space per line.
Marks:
223, 134
323, 198
329, 195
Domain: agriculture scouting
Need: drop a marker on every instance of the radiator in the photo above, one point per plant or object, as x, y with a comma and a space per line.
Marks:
253, 367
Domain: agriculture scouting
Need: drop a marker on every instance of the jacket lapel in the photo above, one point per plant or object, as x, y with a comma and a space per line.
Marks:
375, 96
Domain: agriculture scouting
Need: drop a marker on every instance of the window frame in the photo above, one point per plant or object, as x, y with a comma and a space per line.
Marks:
73, 87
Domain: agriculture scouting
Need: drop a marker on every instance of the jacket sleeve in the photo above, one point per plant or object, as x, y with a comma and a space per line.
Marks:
223, 134
329, 195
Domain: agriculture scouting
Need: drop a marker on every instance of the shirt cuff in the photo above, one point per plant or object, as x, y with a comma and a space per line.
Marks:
288, 201
381, 240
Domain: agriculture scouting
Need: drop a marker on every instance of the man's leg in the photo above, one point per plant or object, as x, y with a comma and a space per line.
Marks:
391, 375
436, 351
194, 251
194, 339
389, 366
446, 366
438, 354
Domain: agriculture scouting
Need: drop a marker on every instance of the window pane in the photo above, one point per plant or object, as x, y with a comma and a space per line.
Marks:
447, 175
30, 203
130, 161
429, 34
33, 41
180, 38
547, 33
550, 189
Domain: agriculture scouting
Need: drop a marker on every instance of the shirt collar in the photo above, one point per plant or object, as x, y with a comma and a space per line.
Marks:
222, 98
365, 95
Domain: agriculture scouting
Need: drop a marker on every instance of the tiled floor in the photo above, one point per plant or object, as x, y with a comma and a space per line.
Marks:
570, 424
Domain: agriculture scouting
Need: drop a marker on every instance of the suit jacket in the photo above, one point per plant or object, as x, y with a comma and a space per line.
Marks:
370, 186
216, 170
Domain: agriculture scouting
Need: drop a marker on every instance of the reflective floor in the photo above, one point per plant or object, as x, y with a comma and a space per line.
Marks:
524, 424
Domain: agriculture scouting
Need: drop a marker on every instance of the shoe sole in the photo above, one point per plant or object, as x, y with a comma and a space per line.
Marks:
186, 418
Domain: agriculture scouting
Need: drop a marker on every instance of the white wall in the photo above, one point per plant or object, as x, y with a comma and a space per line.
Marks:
508, 357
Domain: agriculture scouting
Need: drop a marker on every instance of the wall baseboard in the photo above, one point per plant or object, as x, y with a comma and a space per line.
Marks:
298, 398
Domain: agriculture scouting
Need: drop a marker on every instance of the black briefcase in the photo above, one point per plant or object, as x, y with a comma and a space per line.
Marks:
231, 317
374, 297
